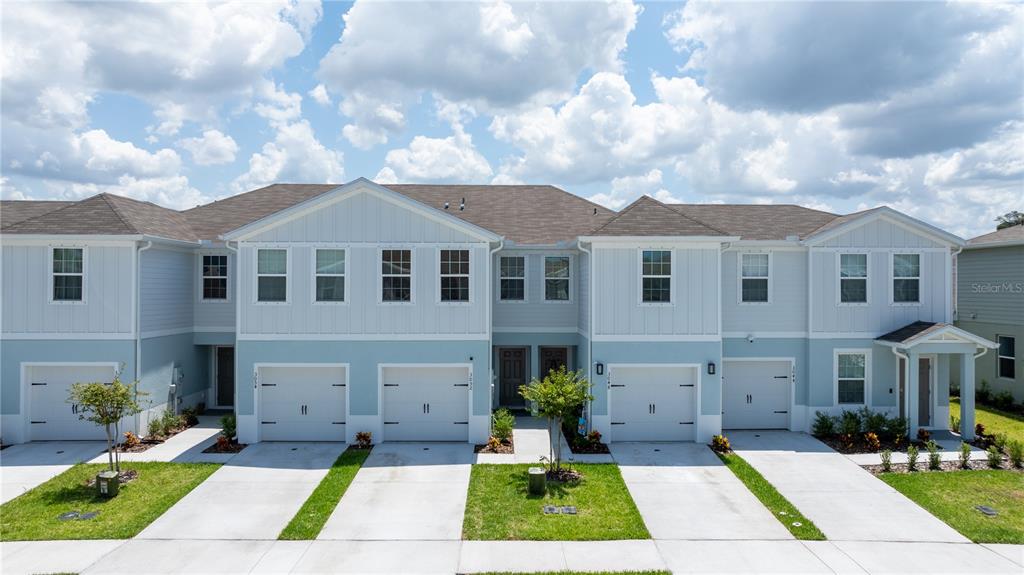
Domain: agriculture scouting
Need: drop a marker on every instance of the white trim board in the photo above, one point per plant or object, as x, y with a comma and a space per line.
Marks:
362, 337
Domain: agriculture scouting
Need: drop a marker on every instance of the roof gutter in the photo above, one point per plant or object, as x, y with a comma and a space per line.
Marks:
590, 329
138, 320
490, 323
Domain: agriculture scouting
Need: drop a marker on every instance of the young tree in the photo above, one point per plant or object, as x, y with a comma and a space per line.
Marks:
558, 397
106, 404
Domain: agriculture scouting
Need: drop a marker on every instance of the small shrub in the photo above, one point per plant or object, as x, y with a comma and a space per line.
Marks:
1003, 400
364, 439
720, 444
502, 424
979, 430
887, 460
871, 441
494, 443
934, 458
189, 417
912, 454
995, 457
824, 425
169, 423
873, 422
896, 429
131, 440
983, 394
155, 427
847, 440
954, 423
1016, 453
923, 435
965, 455
849, 423
594, 437
228, 426
223, 443
1000, 441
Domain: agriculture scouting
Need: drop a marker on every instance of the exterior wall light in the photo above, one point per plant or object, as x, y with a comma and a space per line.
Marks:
711, 368
599, 368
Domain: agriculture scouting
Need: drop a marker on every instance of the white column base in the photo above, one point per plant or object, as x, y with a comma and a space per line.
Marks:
356, 423
707, 426
247, 428
479, 429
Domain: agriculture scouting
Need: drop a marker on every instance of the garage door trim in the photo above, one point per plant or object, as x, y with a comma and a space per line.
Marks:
697, 387
380, 386
792, 380
256, 381
25, 406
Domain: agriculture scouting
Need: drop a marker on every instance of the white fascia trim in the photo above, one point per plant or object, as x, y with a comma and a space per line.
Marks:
206, 329
657, 338
345, 191
166, 332
742, 245
765, 334
674, 241
42, 240
68, 336
841, 335
362, 337
990, 245
567, 329
892, 216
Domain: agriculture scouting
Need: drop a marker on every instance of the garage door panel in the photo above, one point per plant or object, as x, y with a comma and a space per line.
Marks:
653, 403
302, 403
756, 394
51, 416
425, 403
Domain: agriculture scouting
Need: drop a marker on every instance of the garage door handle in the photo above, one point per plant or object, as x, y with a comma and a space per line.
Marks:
617, 385
337, 423
685, 423
461, 384
390, 423
337, 385
781, 412
390, 385
268, 422
686, 385
781, 377
37, 422
268, 385
618, 423
38, 384
460, 422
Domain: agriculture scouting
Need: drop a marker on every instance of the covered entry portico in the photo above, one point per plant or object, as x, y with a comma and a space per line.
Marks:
924, 350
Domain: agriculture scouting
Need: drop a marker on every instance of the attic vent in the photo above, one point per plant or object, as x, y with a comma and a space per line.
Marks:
446, 205
462, 205
595, 211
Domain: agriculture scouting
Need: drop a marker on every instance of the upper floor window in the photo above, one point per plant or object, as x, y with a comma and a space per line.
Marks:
557, 275
656, 276
272, 275
330, 275
454, 275
512, 270
852, 378
215, 277
1007, 356
68, 274
853, 278
906, 278
754, 278
396, 275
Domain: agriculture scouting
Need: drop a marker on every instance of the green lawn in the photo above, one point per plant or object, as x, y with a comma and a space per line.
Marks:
995, 421
499, 508
772, 499
952, 496
314, 513
32, 516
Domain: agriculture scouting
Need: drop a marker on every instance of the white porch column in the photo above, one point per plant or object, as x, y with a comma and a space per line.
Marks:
913, 395
967, 396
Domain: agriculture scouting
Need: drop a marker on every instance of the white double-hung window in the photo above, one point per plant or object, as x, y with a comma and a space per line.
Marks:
454, 276
272, 275
396, 276
656, 276
754, 270
853, 278
215, 277
512, 276
557, 277
68, 274
330, 275
851, 378
906, 278
1006, 357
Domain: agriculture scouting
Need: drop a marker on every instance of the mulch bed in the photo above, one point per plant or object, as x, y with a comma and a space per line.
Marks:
922, 467
143, 445
582, 447
506, 447
232, 447
123, 477
859, 447
564, 475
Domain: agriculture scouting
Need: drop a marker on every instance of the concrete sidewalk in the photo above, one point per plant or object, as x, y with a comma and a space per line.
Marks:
184, 447
448, 557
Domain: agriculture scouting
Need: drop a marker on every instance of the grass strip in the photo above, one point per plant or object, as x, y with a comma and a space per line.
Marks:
995, 421
787, 514
33, 515
313, 514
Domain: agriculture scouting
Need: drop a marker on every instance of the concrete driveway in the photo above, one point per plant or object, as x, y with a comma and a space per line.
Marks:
28, 465
253, 496
846, 502
683, 491
405, 491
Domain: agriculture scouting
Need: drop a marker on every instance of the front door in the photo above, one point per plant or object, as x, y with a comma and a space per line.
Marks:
511, 375
924, 418
225, 376
553, 358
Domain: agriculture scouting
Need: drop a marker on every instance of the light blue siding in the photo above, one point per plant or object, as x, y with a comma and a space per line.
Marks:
696, 288
787, 310
768, 348
364, 358
661, 352
107, 308
215, 314
214, 338
168, 289
884, 372
881, 234
160, 355
536, 313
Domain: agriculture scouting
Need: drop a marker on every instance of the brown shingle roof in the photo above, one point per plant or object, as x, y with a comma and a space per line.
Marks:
14, 211
1007, 234
649, 217
211, 220
759, 221
107, 214
911, 331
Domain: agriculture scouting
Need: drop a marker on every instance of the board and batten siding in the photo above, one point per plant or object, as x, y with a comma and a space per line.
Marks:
168, 290
363, 313
534, 312
107, 308
215, 314
990, 285
696, 288
787, 308
584, 293
880, 234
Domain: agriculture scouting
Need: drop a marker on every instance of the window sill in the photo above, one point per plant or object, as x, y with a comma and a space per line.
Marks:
67, 302
905, 304
853, 304
513, 301
558, 301
201, 300
455, 303
330, 303
754, 303
273, 303
656, 304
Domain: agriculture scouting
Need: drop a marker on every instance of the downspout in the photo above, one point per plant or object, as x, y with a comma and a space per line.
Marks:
238, 318
138, 322
490, 325
590, 331
953, 288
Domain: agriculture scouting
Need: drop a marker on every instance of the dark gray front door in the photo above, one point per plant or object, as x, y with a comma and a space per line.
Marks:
924, 411
511, 375
225, 376
553, 358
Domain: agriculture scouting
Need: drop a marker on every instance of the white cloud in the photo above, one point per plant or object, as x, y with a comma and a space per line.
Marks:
496, 55
451, 159
96, 151
320, 95
628, 188
212, 148
295, 155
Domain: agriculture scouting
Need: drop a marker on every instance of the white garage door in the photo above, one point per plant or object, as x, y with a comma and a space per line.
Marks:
653, 403
302, 403
51, 416
755, 394
425, 403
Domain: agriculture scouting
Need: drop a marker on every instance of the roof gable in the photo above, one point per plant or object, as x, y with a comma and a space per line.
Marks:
845, 224
1010, 235
649, 217
107, 214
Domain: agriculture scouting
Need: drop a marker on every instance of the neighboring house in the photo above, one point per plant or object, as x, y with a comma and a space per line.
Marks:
412, 311
990, 303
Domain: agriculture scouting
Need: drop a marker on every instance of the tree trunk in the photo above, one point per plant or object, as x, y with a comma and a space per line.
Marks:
110, 448
117, 453
552, 439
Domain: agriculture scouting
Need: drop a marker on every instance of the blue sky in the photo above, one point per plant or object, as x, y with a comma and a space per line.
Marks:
838, 106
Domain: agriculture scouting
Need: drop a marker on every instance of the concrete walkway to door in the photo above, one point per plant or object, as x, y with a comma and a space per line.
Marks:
405, 491
846, 502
